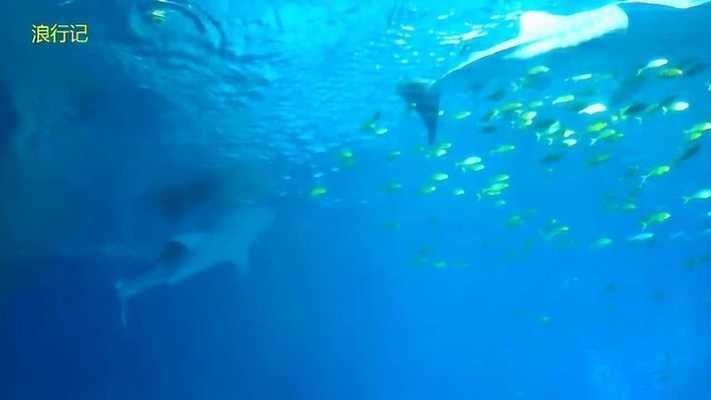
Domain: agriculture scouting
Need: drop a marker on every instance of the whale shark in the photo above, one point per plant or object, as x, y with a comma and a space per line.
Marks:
548, 36
191, 253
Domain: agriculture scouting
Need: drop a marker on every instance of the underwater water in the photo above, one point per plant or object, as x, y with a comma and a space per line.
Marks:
217, 199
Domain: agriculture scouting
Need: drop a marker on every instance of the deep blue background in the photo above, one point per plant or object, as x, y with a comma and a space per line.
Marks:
336, 305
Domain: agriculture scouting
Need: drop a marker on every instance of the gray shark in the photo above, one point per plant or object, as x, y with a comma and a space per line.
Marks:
184, 256
547, 36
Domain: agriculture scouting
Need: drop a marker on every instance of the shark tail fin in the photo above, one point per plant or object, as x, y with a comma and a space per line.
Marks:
124, 319
423, 96
123, 299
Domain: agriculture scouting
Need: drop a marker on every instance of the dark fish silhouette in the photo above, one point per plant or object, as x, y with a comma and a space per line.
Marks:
552, 158
688, 153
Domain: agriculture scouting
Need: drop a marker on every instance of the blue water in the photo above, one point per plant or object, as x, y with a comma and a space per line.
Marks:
360, 293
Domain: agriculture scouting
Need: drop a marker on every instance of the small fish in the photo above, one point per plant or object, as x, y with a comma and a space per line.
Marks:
489, 193
440, 177
500, 178
529, 115
443, 17
380, 131
429, 189
516, 220
698, 130
158, 16
394, 187
495, 189
602, 242
346, 156
318, 191
487, 128
606, 135
462, 115
599, 159
369, 124
593, 109
552, 158
677, 106
688, 153
597, 126
581, 77
491, 116
641, 237
655, 219
469, 161
656, 172
539, 69
497, 95
498, 186
474, 168
551, 126
510, 106
555, 231
458, 192
670, 73
629, 205
445, 145
634, 110
563, 99
471, 164
703, 194
656, 63
504, 148
439, 152
536, 104
695, 68
628, 88
570, 142
393, 155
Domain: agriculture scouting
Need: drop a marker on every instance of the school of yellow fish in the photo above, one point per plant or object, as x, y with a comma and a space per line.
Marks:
604, 125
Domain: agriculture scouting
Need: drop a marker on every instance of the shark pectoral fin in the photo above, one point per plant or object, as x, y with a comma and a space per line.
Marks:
535, 24
683, 4
423, 96
541, 32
